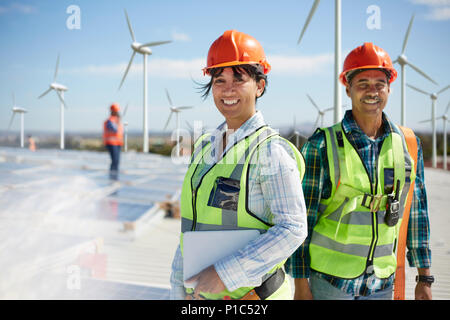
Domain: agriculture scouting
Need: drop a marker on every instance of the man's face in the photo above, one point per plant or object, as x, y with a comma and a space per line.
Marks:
369, 91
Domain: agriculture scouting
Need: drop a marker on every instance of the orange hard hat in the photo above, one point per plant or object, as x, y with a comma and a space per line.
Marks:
235, 48
115, 107
367, 56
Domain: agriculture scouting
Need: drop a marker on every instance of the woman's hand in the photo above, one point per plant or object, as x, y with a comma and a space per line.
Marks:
207, 281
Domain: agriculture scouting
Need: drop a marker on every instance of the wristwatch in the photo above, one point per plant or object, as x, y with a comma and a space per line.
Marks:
427, 279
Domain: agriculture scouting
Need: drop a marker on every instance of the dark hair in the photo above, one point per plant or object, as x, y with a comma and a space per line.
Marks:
254, 71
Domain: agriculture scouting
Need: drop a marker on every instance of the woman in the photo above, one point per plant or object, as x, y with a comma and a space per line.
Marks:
243, 176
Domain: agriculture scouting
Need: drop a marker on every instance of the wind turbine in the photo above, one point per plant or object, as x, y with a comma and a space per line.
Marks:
402, 61
296, 134
59, 89
444, 117
175, 110
320, 114
433, 97
15, 109
337, 54
145, 51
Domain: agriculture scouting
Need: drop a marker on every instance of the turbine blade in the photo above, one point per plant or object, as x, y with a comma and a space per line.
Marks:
168, 120
312, 101
184, 107
329, 109
129, 26
405, 41
128, 68
60, 98
417, 89
310, 15
423, 121
48, 90
11, 121
153, 44
56, 68
168, 98
421, 72
14, 98
395, 61
125, 111
448, 106
442, 90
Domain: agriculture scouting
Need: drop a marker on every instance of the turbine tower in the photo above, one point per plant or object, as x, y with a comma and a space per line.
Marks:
15, 109
337, 54
59, 89
444, 117
433, 97
175, 110
296, 134
125, 125
403, 61
320, 113
145, 51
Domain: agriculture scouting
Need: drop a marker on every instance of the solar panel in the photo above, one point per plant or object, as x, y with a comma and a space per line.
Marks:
52, 202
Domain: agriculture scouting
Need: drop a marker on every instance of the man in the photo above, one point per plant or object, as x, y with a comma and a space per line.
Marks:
357, 178
113, 139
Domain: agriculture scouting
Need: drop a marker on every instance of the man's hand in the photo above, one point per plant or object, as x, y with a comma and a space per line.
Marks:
207, 281
302, 290
423, 291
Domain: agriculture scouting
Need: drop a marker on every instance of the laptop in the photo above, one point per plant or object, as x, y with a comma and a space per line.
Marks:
203, 248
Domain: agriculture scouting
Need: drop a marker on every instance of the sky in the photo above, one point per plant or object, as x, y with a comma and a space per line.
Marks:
94, 49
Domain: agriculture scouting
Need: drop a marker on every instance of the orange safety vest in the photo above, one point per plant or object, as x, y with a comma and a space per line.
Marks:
399, 282
110, 137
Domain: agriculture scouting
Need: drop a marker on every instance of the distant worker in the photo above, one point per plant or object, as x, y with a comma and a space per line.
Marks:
242, 176
361, 176
31, 143
113, 139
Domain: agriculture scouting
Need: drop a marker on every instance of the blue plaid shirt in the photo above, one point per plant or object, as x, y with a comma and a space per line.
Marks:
317, 185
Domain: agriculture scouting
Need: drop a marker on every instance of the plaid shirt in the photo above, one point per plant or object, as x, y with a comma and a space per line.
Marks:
317, 185
274, 195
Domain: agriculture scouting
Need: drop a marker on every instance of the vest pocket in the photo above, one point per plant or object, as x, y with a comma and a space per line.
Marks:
225, 194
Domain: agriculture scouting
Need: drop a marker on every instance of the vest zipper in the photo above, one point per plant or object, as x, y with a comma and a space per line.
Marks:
374, 214
372, 191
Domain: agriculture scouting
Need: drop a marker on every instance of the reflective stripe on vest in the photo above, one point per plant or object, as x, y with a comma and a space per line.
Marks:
351, 229
199, 187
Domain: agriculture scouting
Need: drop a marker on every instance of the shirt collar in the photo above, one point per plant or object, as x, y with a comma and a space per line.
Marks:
247, 128
350, 126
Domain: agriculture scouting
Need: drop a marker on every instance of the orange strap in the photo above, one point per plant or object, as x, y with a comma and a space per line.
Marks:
399, 283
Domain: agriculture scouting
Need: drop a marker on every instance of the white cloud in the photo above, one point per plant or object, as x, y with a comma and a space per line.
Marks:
439, 14
300, 65
439, 9
18, 7
178, 36
432, 3
185, 69
167, 68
